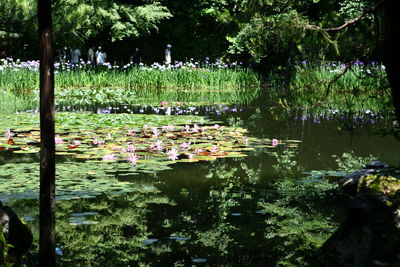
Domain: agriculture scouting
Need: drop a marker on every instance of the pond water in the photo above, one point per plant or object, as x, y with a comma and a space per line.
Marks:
227, 212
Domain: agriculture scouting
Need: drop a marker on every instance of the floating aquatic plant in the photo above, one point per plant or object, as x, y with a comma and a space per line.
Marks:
98, 148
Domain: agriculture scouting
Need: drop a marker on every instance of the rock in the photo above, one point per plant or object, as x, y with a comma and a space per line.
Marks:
370, 233
350, 183
367, 236
16, 233
376, 165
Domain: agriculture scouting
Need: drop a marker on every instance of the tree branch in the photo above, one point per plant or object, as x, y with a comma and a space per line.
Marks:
347, 23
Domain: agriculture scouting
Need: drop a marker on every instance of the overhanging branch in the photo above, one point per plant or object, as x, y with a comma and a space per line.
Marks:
347, 23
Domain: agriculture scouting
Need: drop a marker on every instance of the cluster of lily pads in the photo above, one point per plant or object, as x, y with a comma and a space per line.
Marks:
95, 150
175, 143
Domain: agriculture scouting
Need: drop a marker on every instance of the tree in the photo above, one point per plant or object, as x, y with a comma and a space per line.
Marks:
306, 28
17, 25
76, 22
112, 19
47, 147
392, 53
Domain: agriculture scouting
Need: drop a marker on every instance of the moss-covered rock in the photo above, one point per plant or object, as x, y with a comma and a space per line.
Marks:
379, 185
370, 232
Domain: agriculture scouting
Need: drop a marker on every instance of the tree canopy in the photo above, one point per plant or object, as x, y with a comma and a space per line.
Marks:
252, 30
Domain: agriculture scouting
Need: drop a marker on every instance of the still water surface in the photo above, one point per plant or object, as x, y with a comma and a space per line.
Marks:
208, 213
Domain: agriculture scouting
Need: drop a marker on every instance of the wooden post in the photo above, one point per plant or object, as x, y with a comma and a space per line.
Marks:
47, 131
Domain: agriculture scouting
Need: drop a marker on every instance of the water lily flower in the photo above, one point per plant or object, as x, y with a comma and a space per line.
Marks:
58, 140
190, 156
216, 126
214, 149
130, 148
109, 157
157, 146
8, 133
76, 142
195, 128
187, 128
198, 150
275, 142
98, 142
133, 158
155, 131
163, 103
168, 128
173, 154
185, 145
131, 132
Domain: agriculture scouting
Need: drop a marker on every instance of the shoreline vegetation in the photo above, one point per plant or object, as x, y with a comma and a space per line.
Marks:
199, 83
21, 76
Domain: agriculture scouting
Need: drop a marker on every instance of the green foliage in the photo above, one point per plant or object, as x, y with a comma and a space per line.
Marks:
3, 248
88, 88
379, 185
74, 22
286, 164
277, 31
350, 162
292, 223
81, 20
363, 87
88, 168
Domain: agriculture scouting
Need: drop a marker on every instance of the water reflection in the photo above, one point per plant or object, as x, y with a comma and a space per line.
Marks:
236, 212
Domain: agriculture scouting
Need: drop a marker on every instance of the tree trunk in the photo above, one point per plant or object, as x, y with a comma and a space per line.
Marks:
47, 150
392, 52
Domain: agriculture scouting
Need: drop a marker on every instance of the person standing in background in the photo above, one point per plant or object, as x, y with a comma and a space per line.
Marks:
136, 58
75, 56
90, 56
168, 54
101, 57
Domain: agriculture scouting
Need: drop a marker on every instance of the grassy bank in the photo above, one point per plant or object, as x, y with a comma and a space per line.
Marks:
20, 77
86, 86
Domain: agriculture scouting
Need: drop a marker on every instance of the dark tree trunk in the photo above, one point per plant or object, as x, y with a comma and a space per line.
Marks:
392, 52
47, 150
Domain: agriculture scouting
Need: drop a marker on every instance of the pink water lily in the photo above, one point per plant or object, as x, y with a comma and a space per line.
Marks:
98, 142
173, 154
8, 133
185, 145
130, 148
109, 157
133, 158
195, 128
275, 142
168, 128
157, 146
58, 140
214, 149
155, 131
76, 143
198, 150
131, 132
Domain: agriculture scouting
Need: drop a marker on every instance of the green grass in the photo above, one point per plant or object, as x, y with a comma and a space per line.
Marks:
24, 80
89, 87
